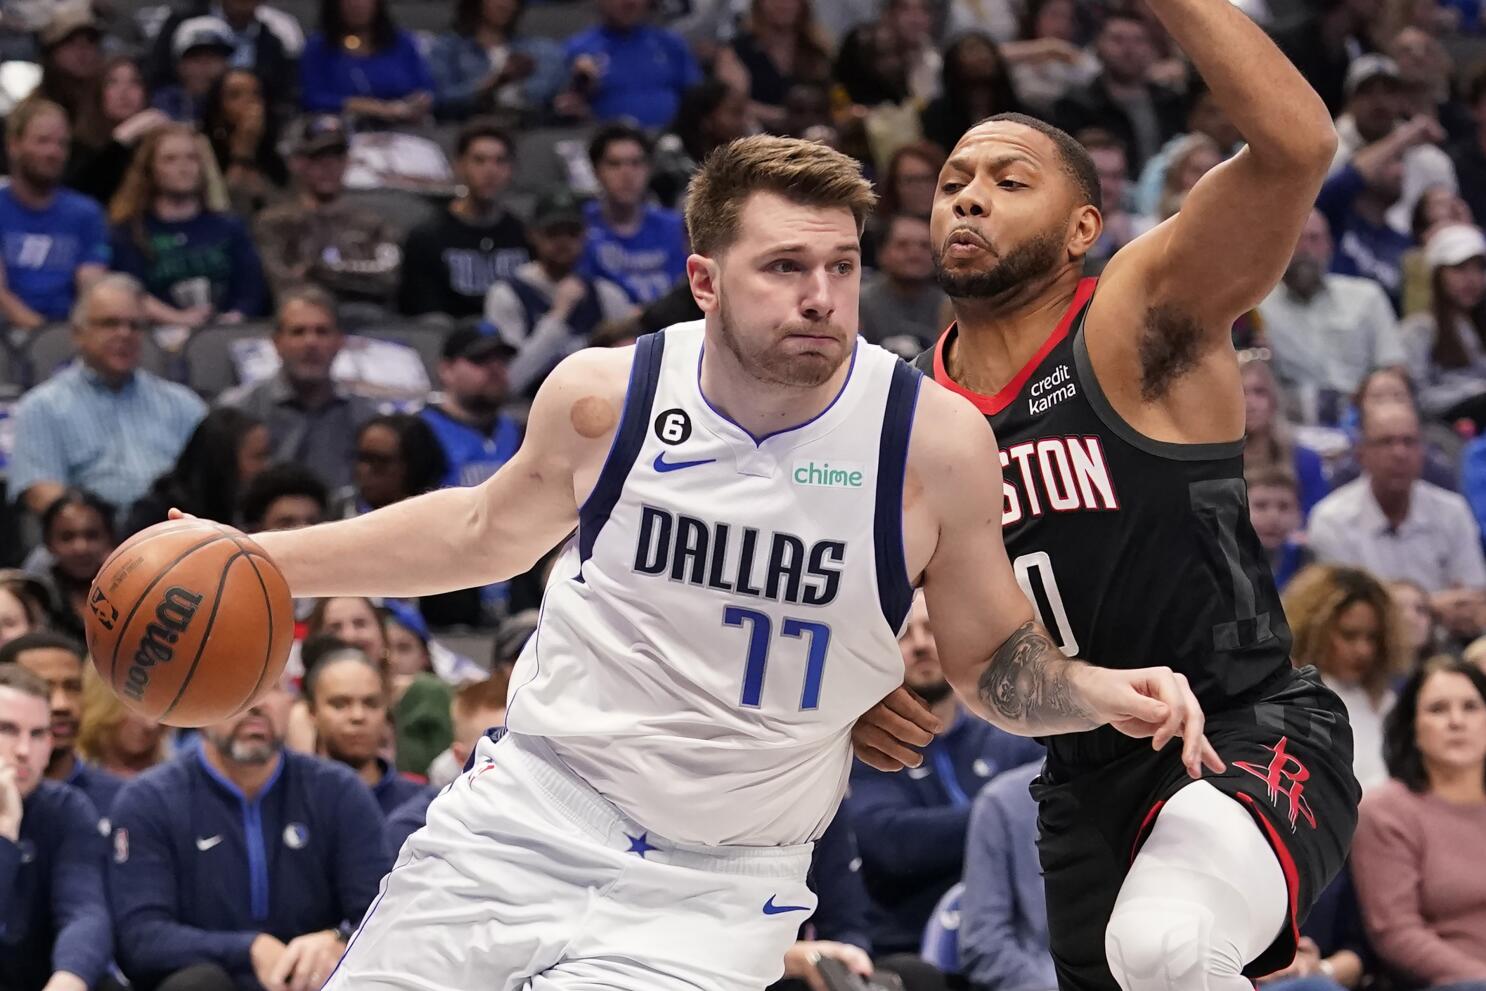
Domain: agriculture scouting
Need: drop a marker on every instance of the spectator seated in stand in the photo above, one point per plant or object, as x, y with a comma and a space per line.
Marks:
397, 457
310, 418
1003, 912
626, 68
226, 451
22, 604
172, 232
483, 65
319, 237
1269, 440
1325, 331
113, 738
475, 435
1416, 856
101, 423
241, 126
55, 242
546, 309
364, 66
59, 661
903, 299
284, 496
1334, 953
911, 828
451, 260
103, 150
1392, 522
77, 535
52, 909
977, 84
1275, 514
263, 39
201, 47
238, 856
347, 698
633, 243
777, 46
1447, 343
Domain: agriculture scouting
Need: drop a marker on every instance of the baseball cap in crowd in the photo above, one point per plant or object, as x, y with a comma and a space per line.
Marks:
202, 32
317, 134
1453, 245
476, 343
512, 635
68, 20
1365, 68
559, 208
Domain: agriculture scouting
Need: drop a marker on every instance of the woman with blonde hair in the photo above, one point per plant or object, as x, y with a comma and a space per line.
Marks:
172, 231
1345, 623
114, 738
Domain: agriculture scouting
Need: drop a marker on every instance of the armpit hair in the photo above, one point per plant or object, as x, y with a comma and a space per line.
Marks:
1170, 344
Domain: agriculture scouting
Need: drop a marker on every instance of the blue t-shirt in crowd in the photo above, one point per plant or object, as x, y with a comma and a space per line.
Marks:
1372, 251
328, 74
642, 72
43, 248
472, 455
210, 246
647, 263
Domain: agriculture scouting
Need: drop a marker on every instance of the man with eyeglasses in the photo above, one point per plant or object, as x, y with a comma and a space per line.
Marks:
102, 423
1392, 522
311, 419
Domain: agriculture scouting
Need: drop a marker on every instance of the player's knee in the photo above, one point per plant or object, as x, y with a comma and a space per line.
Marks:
1166, 945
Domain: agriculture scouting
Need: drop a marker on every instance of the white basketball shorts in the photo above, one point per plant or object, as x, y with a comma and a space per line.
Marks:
526, 879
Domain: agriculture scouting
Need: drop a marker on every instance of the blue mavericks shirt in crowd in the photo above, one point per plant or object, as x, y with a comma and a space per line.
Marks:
198, 870
647, 263
911, 825
393, 789
52, 911
642, 72
210, 246
1372, 251
328, 74
472, 454
43, 248
101, 786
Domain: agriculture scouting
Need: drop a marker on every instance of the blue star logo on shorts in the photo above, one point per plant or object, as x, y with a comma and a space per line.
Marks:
639, 844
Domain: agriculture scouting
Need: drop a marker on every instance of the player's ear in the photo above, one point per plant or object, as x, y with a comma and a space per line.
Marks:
704, 274
1084, 230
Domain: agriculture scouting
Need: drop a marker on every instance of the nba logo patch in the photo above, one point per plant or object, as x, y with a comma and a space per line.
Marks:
121, 845
103, 610
296, 835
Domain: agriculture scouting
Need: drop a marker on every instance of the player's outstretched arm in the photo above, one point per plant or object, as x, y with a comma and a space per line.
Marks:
999, 659
1230, 243
466, 537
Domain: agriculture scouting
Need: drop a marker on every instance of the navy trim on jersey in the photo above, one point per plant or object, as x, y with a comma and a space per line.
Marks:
629, 437
759, 441
1116, 423
894, 585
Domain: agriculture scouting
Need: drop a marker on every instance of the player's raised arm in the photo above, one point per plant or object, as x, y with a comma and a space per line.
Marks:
1229, 244
999, 659
465, 537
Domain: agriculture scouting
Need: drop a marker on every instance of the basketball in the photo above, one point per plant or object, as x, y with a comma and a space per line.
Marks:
189, 622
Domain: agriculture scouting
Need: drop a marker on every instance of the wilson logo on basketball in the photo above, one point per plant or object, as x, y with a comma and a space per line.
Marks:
172, 616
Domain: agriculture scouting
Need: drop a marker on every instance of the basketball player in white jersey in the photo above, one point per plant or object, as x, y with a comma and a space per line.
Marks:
755, 496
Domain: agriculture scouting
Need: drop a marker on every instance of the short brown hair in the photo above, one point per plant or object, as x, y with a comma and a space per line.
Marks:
18, 679
488, 694
803, 172
28, 110
1272, 476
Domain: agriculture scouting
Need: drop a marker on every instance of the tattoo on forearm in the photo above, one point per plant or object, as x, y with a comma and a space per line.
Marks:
1029, 681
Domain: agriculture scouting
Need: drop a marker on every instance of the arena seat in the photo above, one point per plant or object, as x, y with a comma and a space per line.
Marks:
941, 943
51, 347
209, 367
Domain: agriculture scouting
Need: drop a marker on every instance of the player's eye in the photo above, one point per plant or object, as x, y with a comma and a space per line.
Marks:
1011, 184
952, 187
844, 268
784, 267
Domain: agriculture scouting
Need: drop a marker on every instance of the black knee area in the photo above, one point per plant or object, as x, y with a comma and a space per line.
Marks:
198, 977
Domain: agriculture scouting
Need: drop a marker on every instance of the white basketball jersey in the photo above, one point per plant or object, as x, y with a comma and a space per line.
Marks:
729, 605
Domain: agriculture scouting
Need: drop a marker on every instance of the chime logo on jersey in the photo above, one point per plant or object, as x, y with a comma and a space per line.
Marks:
740, 560
828, 474
1055, 474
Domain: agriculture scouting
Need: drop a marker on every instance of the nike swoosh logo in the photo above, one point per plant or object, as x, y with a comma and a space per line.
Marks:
771, 909
662, 465
206, 844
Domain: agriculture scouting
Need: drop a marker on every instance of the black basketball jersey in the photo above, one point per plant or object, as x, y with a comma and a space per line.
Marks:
1134, 552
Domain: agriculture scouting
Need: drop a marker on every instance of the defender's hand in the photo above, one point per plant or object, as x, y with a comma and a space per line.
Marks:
883, 736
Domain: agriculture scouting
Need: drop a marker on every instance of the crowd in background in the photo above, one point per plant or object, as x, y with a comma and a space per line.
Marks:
275, 265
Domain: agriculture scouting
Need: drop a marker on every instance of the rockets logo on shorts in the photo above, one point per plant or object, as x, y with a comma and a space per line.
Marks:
1284, 775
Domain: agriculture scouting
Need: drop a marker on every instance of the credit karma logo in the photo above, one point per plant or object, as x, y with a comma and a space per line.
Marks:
824, 474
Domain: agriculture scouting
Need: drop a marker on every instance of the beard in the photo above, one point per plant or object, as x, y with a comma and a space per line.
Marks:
37, 177
934, 692
481, 405
770, 363
254, 752
1028, 261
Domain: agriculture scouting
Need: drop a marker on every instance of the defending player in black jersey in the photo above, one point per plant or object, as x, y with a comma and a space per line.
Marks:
1120, 418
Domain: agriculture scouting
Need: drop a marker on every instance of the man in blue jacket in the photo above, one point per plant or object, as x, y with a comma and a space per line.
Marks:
54, 927
242, 865
911, 825
58, 660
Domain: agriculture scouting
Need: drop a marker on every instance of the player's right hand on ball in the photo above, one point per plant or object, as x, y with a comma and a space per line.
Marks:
886, 733
176, 514
1156, 703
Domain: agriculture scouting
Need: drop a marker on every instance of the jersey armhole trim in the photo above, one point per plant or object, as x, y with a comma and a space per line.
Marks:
629, 437
894, 584
1122, 429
